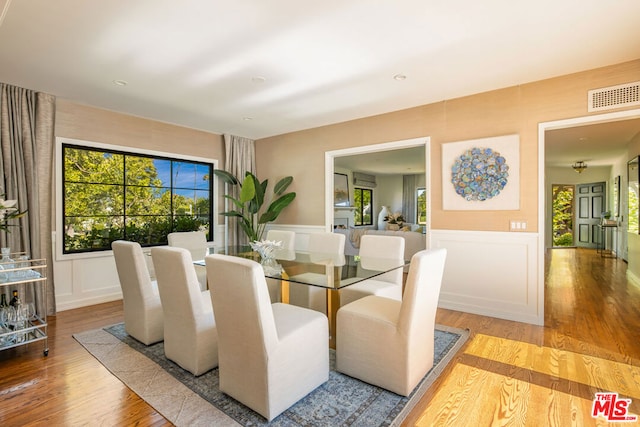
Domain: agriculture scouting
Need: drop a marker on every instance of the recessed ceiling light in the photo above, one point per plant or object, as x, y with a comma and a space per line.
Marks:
120, 82
258, 79
399, 77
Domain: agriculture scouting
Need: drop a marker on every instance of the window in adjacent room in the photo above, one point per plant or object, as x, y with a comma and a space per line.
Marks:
110, 195
363, 198
633, 194
421, 205
562, 215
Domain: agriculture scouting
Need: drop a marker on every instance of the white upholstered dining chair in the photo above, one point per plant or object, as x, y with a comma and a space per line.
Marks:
288, 239
196, 243
387, 285
143, 318
390, 343
190, 335
271, 355
313, 297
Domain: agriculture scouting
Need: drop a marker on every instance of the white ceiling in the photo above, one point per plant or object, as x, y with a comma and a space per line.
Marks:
407, 161
600, 144
259, 68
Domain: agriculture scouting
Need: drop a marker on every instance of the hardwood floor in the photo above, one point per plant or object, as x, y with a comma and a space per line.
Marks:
509, 372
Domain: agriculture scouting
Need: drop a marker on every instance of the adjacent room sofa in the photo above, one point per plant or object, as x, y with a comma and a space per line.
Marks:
414, 241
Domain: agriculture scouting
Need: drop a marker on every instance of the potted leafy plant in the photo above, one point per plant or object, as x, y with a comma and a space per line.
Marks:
251, 199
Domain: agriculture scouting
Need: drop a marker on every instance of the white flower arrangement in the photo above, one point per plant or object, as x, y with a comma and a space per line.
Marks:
8, 210
265, 247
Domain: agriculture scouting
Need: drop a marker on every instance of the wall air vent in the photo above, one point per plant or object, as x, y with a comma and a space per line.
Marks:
610, 98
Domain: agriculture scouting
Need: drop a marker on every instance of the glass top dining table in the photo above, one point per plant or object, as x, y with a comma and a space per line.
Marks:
319, 269
329, 271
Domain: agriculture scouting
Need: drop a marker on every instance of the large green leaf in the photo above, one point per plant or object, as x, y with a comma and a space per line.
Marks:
226, 177
255, 204
232, 213
235, 201
268, 217
281, 202
248, 190
282, 185
261, 190
276, 207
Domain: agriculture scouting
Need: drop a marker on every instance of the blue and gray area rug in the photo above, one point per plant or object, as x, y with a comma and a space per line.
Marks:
187, 400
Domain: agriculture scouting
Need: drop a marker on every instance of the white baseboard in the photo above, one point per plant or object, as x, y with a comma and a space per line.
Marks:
633, 278
84, 302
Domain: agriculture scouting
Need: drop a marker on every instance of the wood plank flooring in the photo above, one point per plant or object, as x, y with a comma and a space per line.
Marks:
513, 373
509, 373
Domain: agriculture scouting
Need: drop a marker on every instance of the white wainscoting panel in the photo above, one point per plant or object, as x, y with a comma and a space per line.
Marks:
492, 274
488, 273
82, 281
86, 281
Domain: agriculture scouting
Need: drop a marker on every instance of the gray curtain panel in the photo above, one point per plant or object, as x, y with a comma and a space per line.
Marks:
409, 198
240, 155
26, 168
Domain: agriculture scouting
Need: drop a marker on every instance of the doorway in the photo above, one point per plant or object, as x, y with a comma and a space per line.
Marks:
579, 151
575, 214
330, 157
562, 215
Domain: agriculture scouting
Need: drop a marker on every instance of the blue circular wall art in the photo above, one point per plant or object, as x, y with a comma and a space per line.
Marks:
479, 174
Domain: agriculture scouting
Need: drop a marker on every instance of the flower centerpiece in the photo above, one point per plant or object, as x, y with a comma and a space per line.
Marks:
266, 249
395, 218
8, 210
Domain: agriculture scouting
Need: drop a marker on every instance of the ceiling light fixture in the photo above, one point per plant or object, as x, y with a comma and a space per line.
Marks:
258, 79
579, 166
399, 77
120, 82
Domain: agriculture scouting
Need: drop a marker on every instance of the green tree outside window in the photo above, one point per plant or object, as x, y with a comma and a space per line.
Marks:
421, 205
562, 204
363, 198
633, 209
112, 195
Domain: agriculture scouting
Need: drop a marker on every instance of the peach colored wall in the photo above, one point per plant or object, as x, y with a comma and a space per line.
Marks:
94, 124
512, 110
87, 123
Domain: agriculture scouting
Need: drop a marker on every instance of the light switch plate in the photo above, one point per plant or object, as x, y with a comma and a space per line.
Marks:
517, 225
